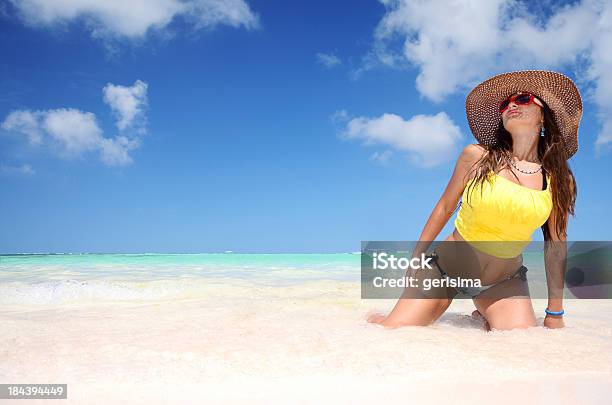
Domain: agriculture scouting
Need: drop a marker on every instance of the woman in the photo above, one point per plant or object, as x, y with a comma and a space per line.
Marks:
515, 180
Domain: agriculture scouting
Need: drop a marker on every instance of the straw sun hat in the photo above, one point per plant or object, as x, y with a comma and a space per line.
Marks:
556, 90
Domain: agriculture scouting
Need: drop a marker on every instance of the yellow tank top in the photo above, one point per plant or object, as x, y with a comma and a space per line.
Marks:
501, 221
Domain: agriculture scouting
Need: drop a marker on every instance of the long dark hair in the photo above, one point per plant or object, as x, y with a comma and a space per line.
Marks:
552, 154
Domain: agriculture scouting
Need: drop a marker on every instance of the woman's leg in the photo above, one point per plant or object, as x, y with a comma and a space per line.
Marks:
507, 305
413, 312
416, 308
478, 316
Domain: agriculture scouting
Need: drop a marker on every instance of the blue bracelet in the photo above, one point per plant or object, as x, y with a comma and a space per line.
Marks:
553, 312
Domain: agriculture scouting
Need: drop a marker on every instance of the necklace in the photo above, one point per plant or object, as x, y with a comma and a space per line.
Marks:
524, 171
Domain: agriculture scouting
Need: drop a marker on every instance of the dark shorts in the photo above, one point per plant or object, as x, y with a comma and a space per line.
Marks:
521, 273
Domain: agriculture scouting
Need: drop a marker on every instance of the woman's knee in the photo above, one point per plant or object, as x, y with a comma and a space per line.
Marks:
507, 313
512, 324
509, 320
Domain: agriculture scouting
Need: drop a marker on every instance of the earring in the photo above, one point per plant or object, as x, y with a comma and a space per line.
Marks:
542, 131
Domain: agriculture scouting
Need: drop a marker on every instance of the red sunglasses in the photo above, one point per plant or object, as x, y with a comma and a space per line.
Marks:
520, 99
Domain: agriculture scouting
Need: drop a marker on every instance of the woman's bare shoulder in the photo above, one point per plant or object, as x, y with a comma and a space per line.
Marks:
472, 153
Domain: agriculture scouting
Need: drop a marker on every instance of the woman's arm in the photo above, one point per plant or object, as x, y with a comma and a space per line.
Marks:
446, 205
555, 259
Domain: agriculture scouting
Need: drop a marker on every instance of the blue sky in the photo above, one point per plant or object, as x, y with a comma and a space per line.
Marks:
263, 126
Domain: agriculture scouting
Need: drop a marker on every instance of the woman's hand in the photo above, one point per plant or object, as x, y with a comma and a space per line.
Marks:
554, 322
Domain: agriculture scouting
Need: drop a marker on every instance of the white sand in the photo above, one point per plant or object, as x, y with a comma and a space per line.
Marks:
233, 341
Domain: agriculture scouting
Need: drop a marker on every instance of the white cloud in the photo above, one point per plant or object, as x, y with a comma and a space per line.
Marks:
600, 73
73, 133
114, 152
209, 13
24, 169
26, 123
135, 18
126, 102
328, 60
456, 44
427, 139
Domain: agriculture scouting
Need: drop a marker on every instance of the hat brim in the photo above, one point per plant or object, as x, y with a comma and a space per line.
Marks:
557, 90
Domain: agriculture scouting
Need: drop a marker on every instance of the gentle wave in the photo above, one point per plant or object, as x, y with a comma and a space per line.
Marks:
68, 291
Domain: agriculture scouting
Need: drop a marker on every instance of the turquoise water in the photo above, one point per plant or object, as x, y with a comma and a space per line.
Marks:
146, 267
64, 278
58, 278
150, 266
